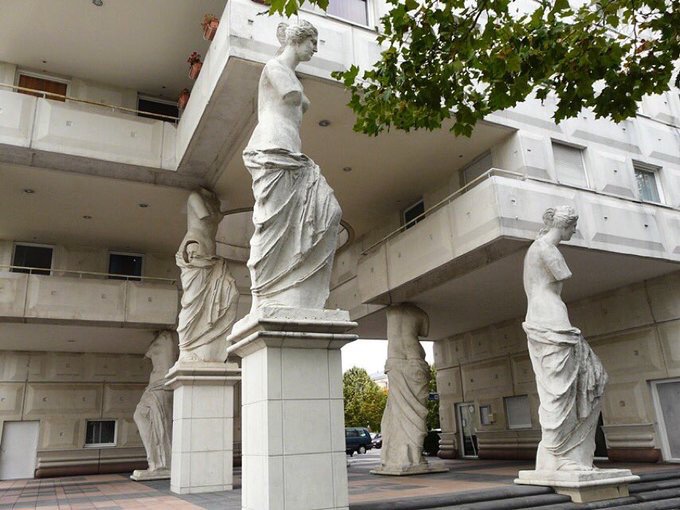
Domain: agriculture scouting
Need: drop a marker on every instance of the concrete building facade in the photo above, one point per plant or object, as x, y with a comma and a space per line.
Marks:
92, 191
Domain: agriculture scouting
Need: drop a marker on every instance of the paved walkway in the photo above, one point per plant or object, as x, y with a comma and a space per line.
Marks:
115, 492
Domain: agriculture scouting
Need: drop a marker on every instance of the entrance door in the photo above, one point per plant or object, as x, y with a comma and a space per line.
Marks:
467, 427
667, 403
18, 449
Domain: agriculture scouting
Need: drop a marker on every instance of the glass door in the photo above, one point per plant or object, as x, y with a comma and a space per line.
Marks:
667, 403
467, 429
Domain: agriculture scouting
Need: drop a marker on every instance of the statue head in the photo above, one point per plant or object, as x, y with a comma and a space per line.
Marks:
563, 218
301, 38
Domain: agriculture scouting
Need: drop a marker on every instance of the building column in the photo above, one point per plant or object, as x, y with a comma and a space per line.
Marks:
293, 413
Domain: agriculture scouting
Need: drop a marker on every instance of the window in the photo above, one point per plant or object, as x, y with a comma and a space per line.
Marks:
350, 10
485, 415
101, 433
477, 168
33, 256
647, 182
518, 412
127, 265
148, 106
569, 165
38, 83
410, 214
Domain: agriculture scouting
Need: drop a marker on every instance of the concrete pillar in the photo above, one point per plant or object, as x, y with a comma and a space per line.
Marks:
293, 413
203, 426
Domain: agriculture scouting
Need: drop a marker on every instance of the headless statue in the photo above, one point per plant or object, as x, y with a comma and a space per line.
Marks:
210, 296
153, 415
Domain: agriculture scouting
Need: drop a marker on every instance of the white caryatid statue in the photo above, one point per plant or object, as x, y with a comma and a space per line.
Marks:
153, 415
404, 422
210, 296
569, 376
296, 215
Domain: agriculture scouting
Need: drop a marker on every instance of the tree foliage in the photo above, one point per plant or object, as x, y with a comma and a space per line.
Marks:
433, 405
364, 400
464, 59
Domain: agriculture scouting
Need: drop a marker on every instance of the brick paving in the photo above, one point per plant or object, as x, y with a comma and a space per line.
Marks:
114, 492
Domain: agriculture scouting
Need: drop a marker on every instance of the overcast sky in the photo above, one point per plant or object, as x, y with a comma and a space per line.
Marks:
371, 355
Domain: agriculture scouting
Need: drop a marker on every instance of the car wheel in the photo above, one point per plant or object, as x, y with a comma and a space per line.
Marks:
362, 449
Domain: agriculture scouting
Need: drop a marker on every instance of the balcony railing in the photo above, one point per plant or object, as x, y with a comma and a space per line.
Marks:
27, 293
84, 274
52, 95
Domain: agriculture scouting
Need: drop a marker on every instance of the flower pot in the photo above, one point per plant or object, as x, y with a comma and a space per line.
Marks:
195, 69
183, 99
210, 29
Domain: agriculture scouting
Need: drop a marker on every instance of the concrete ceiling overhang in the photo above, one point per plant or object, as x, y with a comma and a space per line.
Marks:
494, 292
141, 45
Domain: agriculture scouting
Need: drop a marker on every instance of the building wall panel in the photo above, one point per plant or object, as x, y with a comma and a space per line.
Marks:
66, 399
79, 130
16, 118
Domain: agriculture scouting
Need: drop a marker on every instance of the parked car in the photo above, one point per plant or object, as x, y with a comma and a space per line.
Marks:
357, 439
431, 442
377, 441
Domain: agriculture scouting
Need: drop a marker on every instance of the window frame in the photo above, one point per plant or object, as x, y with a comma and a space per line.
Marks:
102, 445
370, 15
42, 76
35, 245
584, 159
655, 170
412, 222
134, 278
152, 99
507, 414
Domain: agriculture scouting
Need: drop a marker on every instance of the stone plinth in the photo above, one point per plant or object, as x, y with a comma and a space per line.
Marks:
293, 414
582, 486
203, 426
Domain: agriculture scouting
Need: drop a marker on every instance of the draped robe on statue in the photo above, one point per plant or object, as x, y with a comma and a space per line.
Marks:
208, 301
156, 406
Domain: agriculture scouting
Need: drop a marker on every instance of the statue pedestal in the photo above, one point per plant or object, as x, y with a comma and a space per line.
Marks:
293, 414
203, 426
582, 486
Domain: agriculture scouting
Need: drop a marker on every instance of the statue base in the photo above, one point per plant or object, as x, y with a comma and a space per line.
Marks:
143, 475
420, 469
293, 410
202, 426
582, 486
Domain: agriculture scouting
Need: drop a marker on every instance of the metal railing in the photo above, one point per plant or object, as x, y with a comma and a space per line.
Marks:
47, 95
41, 271
474, 182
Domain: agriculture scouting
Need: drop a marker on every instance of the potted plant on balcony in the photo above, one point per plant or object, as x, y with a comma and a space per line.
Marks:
210, 24
195, 65
183, 99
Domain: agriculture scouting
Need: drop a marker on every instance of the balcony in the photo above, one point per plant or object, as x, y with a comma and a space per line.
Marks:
463, 260
77, 297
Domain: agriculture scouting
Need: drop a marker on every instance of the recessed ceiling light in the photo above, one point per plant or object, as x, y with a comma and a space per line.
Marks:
347, 169
143, 206
460, 155
87, 217
44, 61
324, 123
98, 3
70, 341
29, 191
